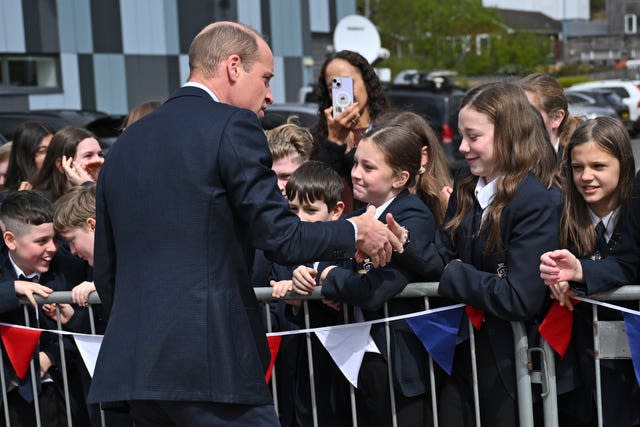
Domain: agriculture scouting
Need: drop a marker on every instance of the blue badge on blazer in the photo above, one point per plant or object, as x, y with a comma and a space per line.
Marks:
503, 270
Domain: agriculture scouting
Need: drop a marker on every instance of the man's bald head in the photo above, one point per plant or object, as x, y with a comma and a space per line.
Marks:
219, 40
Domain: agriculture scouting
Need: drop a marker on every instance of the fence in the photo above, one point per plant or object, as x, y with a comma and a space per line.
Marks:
525, 374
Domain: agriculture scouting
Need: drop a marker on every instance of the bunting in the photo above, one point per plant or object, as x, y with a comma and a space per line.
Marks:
438, 332
632, 326
476, 316
347, 346
436, 328
557, 326
274, 347
20, 343
89, 347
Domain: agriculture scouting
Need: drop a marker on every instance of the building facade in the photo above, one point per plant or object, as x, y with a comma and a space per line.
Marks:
109, 55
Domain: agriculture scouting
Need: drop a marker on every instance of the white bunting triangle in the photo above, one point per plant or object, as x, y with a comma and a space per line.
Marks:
347, 345
89, 346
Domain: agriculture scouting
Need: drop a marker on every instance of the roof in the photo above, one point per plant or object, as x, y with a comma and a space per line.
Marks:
536, 22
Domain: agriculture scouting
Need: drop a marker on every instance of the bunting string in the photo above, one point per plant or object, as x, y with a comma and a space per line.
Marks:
368, 322
607, 305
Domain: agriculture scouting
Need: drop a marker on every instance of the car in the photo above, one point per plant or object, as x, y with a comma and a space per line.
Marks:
591, 111
304, 114
438, 102
106, 127
628, 90
602, 98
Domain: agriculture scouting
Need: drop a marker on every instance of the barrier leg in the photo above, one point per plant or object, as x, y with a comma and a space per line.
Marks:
523, 380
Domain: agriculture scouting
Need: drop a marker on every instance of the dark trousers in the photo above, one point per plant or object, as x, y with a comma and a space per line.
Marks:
163, 413
455, 397
22, 413
373, 398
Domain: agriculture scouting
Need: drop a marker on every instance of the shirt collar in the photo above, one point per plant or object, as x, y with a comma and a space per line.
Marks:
19, 271
203, 87
383, 207
610, 221
485, 192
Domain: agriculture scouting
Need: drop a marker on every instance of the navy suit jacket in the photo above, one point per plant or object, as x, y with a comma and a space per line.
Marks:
371, 290
183, 198
529, 227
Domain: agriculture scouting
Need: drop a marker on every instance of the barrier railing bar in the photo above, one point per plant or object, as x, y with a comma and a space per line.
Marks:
312, 376
63, 368
432, 379
32, 369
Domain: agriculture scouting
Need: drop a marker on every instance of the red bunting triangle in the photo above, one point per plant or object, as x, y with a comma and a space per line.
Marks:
475, 315
557, 326
274, 346
19, 343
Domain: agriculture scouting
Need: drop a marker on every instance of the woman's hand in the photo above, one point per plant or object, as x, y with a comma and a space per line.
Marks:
339, 128
75, 174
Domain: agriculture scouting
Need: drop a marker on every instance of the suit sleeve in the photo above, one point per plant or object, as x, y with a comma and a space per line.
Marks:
244, 165
104, 271
533, 230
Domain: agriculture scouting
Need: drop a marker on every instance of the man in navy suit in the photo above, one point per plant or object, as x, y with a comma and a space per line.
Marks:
184, 197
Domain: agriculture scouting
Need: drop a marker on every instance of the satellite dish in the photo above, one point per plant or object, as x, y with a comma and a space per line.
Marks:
357, 33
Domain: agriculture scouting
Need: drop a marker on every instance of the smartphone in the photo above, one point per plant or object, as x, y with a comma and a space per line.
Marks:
341, 94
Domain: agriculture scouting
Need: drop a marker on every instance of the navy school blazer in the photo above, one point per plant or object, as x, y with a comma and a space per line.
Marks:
371, 290
506, 285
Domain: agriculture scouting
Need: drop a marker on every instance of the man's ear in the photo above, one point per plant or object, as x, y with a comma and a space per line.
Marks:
400, 179
233, 67
91, 222
337, 211
9, 240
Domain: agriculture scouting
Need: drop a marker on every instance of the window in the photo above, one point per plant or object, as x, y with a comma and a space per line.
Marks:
630, 23
29, 74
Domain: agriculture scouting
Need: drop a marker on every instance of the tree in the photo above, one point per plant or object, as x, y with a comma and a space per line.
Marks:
430, 34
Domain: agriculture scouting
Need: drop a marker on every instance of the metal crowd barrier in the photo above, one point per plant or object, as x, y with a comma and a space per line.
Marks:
525, 373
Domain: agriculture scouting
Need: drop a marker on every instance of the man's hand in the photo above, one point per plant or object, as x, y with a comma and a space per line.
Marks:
560, 266
27, 289
375, 239
304, 279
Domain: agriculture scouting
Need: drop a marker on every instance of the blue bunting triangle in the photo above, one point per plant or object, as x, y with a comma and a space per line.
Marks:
632, 325
438, 332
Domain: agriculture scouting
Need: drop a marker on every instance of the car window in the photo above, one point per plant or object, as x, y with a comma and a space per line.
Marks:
576, 98
620, 91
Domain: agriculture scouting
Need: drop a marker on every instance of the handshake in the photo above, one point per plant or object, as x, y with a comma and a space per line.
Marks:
378, 240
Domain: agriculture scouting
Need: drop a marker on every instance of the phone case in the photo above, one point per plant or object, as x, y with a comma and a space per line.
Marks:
341, 94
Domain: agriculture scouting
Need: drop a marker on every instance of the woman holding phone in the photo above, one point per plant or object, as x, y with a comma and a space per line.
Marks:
336, 134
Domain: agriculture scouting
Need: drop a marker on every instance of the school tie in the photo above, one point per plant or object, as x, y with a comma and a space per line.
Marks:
602, 245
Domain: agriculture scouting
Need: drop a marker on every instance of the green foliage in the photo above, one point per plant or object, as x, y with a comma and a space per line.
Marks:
430, 34
567, 81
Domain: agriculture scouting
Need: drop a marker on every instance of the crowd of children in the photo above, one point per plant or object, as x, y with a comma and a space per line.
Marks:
508, 224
